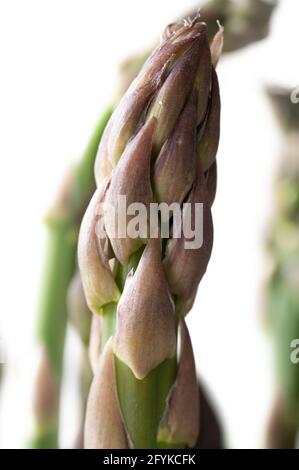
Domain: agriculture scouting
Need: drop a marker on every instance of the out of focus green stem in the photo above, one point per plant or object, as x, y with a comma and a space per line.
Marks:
282, 287
84, 181
61, 247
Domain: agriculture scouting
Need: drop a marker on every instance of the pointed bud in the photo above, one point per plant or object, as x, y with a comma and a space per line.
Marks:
104, 428
97, 279
217, 45
94, 347
184, 27
145, 332
203, 80
169, 31
211, 178
175, 168
176, 40
180, 422
185, 266
123, 125
171, 97
209, 139
132, 180
126, 119
79, 313
128, 115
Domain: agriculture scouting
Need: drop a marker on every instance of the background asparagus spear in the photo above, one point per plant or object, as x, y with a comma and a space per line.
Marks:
80, 318
282, 288
62, 224
245, 21
245, 25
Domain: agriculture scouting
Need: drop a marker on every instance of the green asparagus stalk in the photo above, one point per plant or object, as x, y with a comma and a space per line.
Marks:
159, 145
62, 224
211, 433
282, 287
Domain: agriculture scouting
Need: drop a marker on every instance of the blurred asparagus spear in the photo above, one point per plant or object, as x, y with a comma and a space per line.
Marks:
245, 22
243, 25
62, 225
80, 318
282, 305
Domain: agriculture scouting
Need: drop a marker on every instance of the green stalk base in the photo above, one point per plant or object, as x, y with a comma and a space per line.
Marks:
142, 402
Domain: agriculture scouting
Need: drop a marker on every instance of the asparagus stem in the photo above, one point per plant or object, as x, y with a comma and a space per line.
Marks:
142, 401
282, 304
58, 271
108, 322
61, 248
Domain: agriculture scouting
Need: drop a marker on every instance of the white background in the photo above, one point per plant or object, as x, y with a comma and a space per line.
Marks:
57, 61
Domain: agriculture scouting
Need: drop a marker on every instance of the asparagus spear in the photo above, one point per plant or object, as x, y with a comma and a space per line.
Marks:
282, 287
243, 25
159, 144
